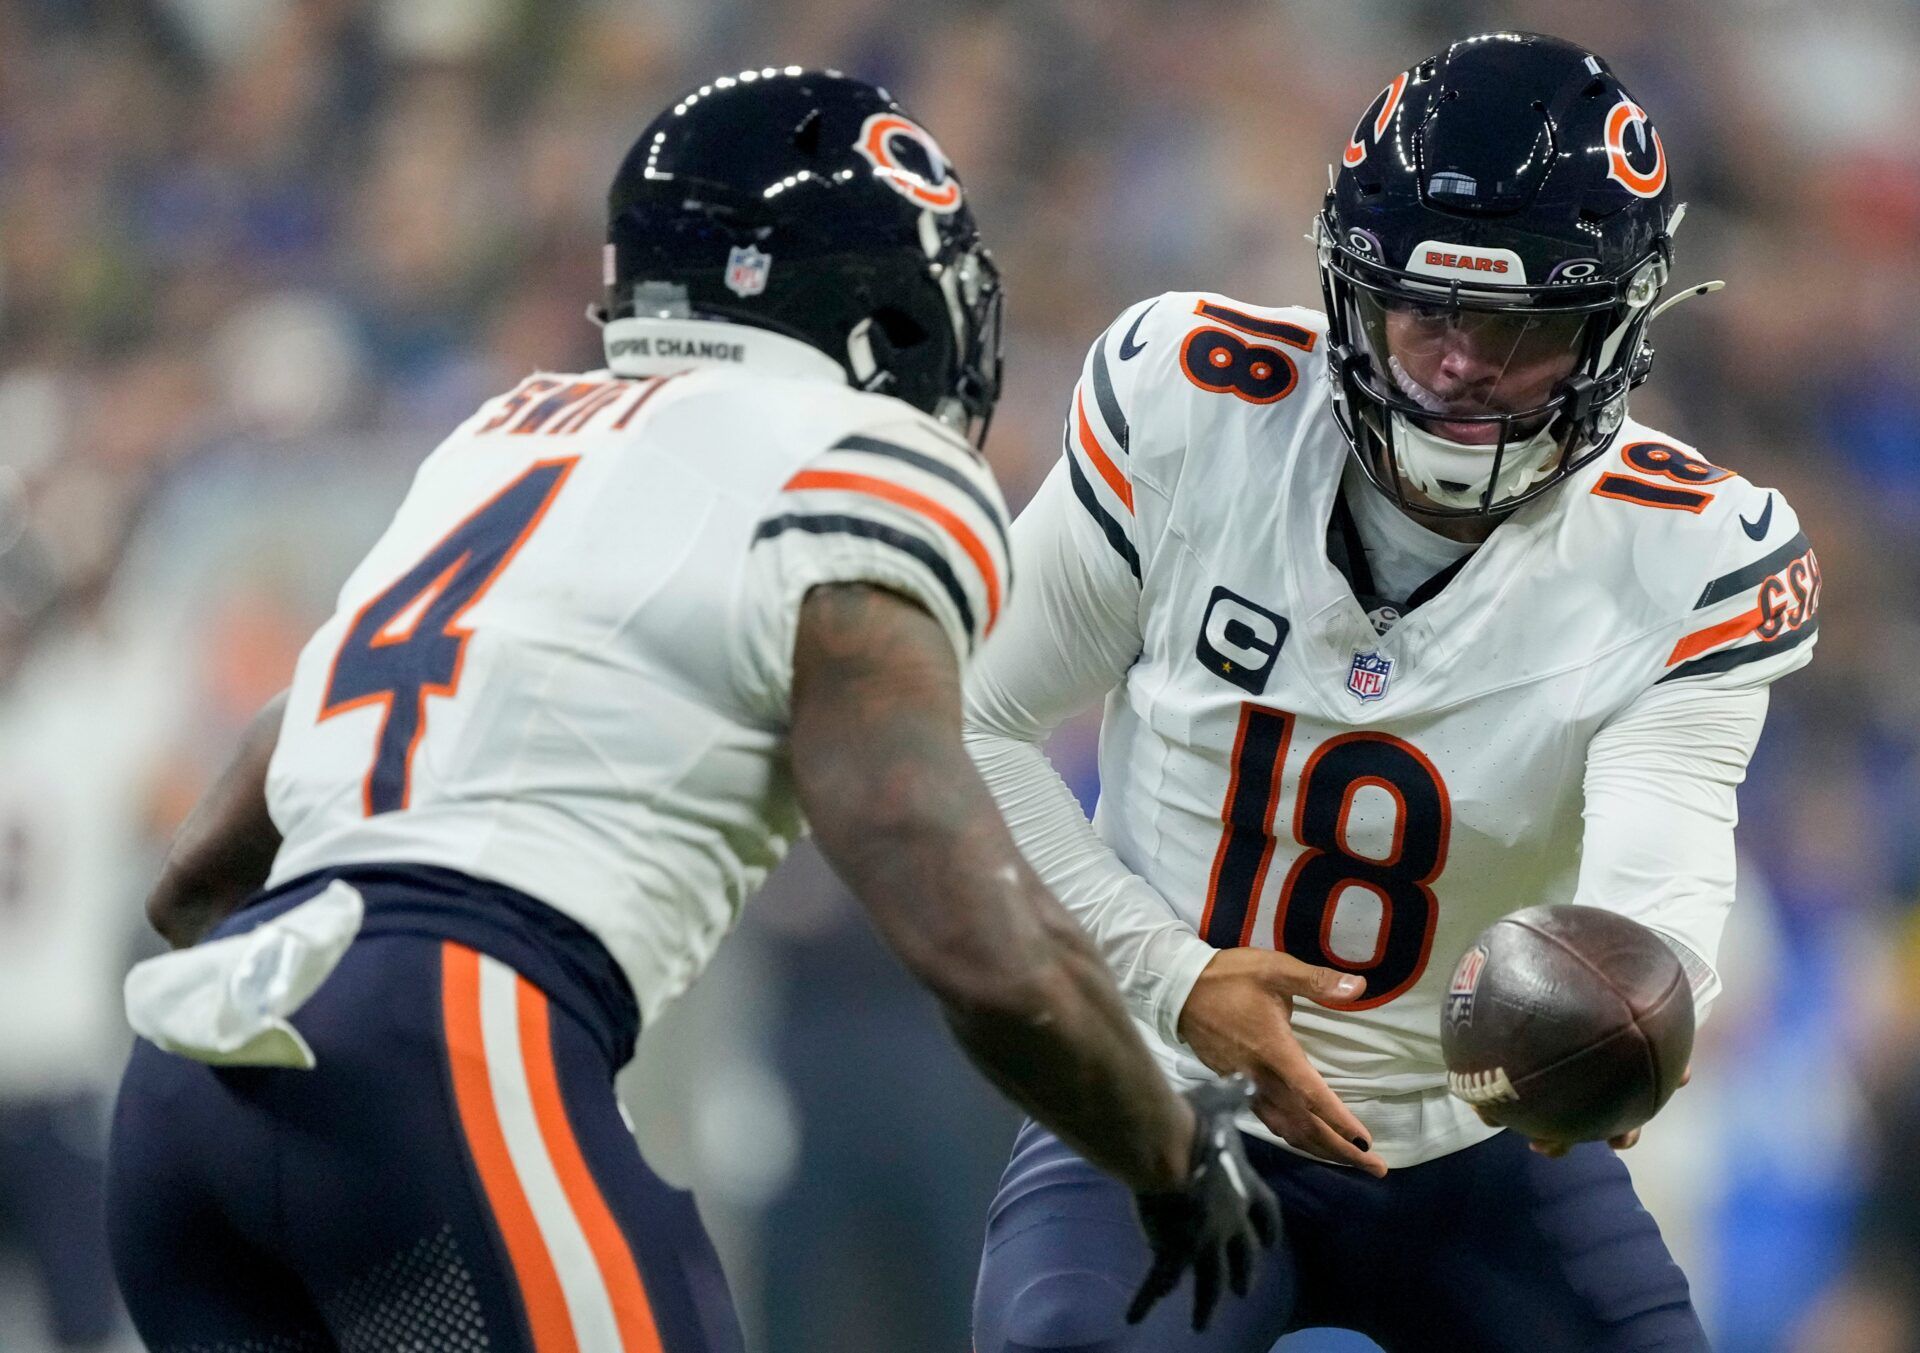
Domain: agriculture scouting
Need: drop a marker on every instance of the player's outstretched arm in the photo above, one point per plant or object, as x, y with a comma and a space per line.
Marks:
900, 812
225, 848
1238, 1020
1068, 641
903, 816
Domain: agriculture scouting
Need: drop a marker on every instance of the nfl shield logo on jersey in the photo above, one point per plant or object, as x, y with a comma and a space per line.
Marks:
1368, 676
747, 269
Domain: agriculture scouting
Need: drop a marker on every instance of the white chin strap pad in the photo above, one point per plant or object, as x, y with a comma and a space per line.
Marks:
1434, 464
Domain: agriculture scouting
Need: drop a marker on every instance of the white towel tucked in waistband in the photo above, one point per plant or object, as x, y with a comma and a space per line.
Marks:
227, 1002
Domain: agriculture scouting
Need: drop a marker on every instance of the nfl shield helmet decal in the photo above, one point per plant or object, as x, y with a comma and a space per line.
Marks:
1368, 676
1465, 978
747, 269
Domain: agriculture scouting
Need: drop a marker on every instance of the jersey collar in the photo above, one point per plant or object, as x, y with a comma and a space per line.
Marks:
660, 347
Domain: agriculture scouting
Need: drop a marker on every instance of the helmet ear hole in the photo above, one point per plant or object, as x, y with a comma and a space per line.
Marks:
874, 346
901, 329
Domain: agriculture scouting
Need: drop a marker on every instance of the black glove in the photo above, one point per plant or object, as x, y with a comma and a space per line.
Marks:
1222, 1209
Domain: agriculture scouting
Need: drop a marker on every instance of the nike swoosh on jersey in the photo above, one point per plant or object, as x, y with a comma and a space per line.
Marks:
1128, 348
1757, 530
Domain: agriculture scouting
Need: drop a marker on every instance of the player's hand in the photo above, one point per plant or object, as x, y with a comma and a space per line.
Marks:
1557, 1149
1238, 1020
1216, 1218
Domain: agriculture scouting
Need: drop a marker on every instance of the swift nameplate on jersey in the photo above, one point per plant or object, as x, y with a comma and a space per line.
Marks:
1368, 676
1240, 640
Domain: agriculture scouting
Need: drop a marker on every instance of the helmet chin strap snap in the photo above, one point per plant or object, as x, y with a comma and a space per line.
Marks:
952, 411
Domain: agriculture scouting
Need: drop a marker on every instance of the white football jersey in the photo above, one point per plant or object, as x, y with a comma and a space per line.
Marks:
565, 665
1282, 775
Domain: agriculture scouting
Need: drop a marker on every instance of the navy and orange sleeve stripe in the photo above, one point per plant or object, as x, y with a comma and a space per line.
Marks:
1755, 618
1098, 439
903, 505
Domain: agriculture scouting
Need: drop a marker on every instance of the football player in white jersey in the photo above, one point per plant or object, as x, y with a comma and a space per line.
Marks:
1402, 623
625, 629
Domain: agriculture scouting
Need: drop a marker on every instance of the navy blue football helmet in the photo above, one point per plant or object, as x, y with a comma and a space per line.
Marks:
1508, 200
810, 204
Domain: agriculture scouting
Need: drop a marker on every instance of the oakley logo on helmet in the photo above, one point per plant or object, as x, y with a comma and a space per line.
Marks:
1356, 151
1436, 258
1620, 169
908, 160
1574, 270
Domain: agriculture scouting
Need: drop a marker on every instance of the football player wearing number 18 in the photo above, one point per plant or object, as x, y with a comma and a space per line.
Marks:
626, 627
1402, 623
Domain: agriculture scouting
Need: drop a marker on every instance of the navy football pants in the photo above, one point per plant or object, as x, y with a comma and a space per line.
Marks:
1492, 1248
454, 1175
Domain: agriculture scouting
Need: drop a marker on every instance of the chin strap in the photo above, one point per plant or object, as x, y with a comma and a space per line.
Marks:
1432, 462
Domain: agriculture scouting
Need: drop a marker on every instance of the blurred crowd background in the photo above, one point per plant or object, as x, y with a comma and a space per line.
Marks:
258, 256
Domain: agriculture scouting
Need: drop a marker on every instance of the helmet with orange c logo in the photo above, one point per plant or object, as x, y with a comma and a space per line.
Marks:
1497, 234
813, 205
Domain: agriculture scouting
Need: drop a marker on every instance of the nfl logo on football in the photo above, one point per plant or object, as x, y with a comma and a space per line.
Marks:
1368, 676
1465, 978
747, 269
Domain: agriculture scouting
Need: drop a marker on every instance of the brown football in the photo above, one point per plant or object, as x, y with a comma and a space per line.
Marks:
1567, 1023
